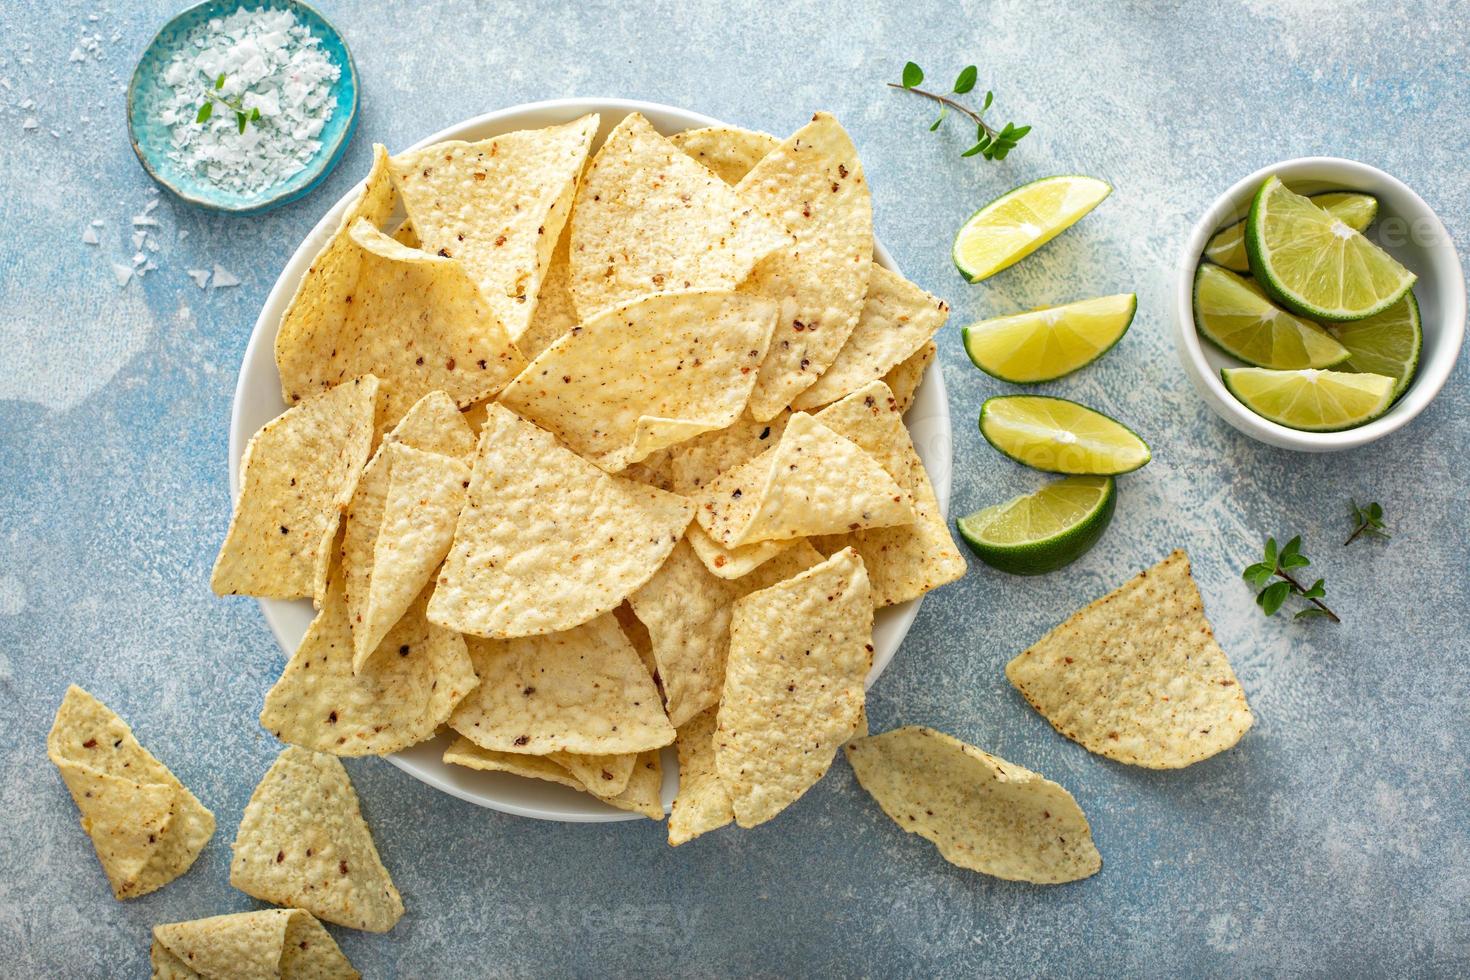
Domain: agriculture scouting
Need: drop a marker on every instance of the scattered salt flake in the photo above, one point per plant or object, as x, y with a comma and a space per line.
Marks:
56, 134
139, 237
77, 55
122, 272
30, 123
144, 221
139, 258
89, 236
183, 233
28, 104
153, 201
200, 277
223, 277
98, 222
151, 244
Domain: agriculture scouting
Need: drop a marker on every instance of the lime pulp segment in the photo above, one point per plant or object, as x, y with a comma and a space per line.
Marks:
1060, 436
1045, 344
1042, 531
1386, 343
1020, 221
1234, 314
1356, 210
1311, 400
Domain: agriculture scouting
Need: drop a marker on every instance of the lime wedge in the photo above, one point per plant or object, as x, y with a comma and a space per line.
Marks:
1019, 222
1042, 531
1060, 436
1386, 343
1355, 210
1314, 264
1317, 401
1043, 345
1235, 315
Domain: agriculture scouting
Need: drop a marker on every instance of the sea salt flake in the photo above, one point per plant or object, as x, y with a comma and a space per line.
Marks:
89, 236
139, 237
144, 221
223, 277
77, 55
30, 123
200, 277
122, 273
139, 258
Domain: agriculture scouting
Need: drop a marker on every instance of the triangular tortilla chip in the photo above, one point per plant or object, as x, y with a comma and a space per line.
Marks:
695, 463
733, 563
463, 752
897, 320
546, 540
273, 943
982, 812
686, 364
813, 481
728, 151
601, 775
906, 376
1137, 675
702, 803
583, 690
147, 828
303, 843
555, 312
813, 182
297, 476
799, 653
640, 792
497, 206
435, 425
407, 690
644, 793
648, 219
908, 560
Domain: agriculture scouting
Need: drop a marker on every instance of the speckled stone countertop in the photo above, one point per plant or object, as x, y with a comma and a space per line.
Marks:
1334, 840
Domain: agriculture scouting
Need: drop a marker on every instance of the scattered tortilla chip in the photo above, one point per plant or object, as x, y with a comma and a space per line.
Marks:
297, 476
303, 844
897, 320
1137, 675
408, 689
644, 794
601, 775
728, 151
146, 826
695, 463
546, 540
702, 803
582, 690
799, 653
983, 813
555, 312
905, 378
286, 943
733, 563
813, 481
498, 207
686, 363
908, 560
463, 752
648, 219
813, 183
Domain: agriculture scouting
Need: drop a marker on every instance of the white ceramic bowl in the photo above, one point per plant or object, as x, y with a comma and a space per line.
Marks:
258, 400
1405, 227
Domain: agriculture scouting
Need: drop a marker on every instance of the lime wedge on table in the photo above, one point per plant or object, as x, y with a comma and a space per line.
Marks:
1356, 210
1042, 531
1386, 343
1313, 263
1317, 401
1060, 436
1019, 222
1234, 314
1042, 345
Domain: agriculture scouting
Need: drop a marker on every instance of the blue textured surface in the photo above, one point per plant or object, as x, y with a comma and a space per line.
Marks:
1333, 840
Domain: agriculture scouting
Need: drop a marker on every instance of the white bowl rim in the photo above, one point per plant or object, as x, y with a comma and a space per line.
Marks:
1433, 372
928, 421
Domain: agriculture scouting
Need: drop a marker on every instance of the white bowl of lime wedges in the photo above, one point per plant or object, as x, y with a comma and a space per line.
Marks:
1314, 360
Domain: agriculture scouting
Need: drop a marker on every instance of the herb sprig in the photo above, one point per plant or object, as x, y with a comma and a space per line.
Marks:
1274, 583
1367, 522
991, 143
243, 117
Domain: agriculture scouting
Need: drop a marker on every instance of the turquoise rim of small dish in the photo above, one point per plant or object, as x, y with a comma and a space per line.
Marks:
187, 187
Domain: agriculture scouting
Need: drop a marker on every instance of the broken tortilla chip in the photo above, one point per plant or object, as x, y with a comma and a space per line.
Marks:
702, 803
644, 793
733, 563
289, 944
906, 376
601, 775
728, 151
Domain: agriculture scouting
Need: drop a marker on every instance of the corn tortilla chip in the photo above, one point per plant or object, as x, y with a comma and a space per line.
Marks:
146, 827
728, 151
983, 813
905, 377
799, 653
546, 540
498, 207
813, 183
555, 312
686, 363
640, 792
286, 943
303, 844
695, 463
702, 803
1137, 675
297, 476
644, 793
649, 219
733, 563
435, 425
463, 752
897, 320
600, 775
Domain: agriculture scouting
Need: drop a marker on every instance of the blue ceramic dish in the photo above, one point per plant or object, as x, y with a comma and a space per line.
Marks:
150, 138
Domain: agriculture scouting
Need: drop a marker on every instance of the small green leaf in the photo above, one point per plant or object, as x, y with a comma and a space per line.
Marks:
977, 148
989, 98
1273, 596
1293, 547
255, 114
241, 120
1317, 591
942, 113
1294, 561
1000, 154
912, 75
205, 111
1016, 134
219, 83
1311, 612
966, 81
1270, 554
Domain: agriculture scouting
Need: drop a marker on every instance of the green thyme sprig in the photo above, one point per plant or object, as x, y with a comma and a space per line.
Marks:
1367, 522
991, 143
243, 117
1274, 583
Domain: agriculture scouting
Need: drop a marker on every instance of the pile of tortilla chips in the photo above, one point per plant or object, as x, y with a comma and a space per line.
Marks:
594, 448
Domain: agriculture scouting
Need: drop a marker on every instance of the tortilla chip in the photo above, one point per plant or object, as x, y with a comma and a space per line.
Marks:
435, 425
498, 207
983, 813
601, 775
684, 365
285, 943
733, 563
297, 476
583, 690
146, 827
799, 653
648, 219
813, 481
1137, 675
463, 752
407, 690
897, 320
813, 183
702, 803
644, 794
905, 378
906, 561
546, 540
655, 470
695, 463
555, 312
404, 233
728, 151
303, 844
